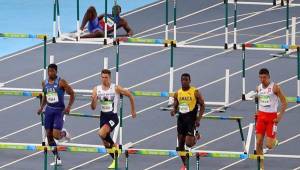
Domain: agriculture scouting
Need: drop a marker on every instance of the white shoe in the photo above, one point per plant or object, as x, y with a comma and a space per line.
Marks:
58, 162
66, 138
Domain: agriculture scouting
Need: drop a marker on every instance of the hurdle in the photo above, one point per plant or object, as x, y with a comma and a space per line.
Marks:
236, 2
72, 147
189, 154
224, 104
33, 36
274, 3
226, 44
59, 37
251, 94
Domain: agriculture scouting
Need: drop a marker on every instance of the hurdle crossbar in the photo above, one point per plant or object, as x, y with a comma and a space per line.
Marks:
145, 41
77, 114
21, 35
201, 153
63, 147
260, 3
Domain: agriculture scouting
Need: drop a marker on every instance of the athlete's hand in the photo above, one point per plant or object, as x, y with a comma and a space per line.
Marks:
40, 111
173, 113
93, 98
279, 117
133, 114
67, 110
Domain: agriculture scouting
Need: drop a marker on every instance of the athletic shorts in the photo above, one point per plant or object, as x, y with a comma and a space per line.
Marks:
265, 124
94, 26
110, 119
54, 118
186, 123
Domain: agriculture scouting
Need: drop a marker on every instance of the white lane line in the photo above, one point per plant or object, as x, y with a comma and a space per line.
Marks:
16, 104
209, 21
218, 28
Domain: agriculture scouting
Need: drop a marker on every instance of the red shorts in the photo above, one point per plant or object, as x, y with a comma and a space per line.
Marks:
265, 124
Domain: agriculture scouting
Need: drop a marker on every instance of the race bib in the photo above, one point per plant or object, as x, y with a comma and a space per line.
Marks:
264, 100
184, 108
112, 123
106, 106
110, 22
52, 97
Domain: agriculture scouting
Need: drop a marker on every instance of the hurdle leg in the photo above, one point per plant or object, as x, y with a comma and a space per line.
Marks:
167, 19
45, 158
244, 72
54, 22
197, 161
298, 74
226, 24
126, 159
187, 161
242, 135
77, 22
249, 137
116, 159
235, 26
56, 157
287, 23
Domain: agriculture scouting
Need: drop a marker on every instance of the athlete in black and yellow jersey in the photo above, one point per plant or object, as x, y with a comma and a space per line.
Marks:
186, 102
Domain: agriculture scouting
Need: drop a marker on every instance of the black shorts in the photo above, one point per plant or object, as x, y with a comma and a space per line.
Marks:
110, 119
186, 123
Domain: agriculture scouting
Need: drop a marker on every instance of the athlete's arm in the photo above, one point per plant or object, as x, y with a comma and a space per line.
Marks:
94, 99
175, 105
126, 27
200, 101
278, 92
44, 100
69, 90
127, 93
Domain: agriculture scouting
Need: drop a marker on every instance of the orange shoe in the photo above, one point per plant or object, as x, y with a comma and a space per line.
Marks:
183, 167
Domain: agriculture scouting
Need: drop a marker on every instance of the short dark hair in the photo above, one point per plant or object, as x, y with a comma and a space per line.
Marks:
106, 71
186, 75
53, 66
116, 8
264, 71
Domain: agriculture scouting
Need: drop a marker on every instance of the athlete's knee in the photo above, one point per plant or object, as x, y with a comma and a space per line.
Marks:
190, 142
56, 134
102, 134
270, 144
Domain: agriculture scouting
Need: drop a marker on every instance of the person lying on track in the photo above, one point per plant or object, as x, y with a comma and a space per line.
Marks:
108, 95
54, 89
186, 101
267, 116
96, 25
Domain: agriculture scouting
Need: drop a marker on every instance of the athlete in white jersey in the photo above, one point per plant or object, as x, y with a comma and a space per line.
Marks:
108, 95
267, 116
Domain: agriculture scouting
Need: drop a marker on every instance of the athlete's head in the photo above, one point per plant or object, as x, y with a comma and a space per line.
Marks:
264, 76
185, 80
116, 10
105, 77
52, 71
91, 12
